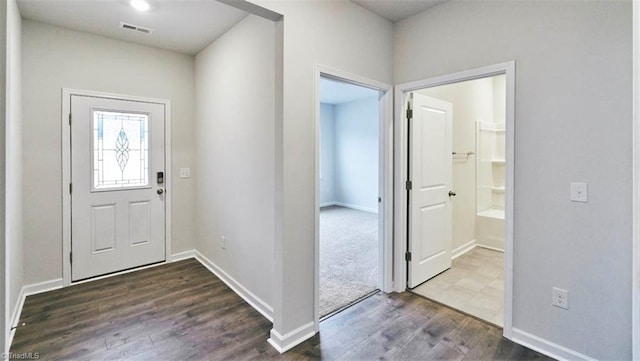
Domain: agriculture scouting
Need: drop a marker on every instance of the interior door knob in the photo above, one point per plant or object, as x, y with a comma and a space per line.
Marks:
160, 190
452, 194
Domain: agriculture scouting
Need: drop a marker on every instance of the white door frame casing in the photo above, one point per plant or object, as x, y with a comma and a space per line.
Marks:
401, 173
635, 292
385, 171
66, 172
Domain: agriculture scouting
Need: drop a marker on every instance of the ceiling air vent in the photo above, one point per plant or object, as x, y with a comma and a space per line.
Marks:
137, 28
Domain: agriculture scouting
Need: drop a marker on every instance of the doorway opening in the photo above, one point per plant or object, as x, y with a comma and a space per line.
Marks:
470, 276
354, 194
455, 159
348, 177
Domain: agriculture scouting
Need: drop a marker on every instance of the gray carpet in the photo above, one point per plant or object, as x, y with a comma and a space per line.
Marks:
348, 256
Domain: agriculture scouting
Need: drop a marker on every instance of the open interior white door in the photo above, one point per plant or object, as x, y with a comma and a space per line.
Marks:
117, 185
430, 173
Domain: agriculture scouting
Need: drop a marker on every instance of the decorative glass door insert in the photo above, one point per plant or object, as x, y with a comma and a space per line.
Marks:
120, 150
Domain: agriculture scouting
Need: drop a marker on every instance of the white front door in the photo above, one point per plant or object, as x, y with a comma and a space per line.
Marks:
117, 194
430, 173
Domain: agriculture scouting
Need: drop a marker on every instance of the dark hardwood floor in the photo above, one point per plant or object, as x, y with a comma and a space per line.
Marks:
181, 311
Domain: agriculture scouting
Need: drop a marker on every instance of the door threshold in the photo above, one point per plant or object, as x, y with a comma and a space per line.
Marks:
455, 309
358, 300
118, 273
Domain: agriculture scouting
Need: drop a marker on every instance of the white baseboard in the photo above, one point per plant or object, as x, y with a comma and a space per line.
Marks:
291, 339
546, 347
15, 318
348, 205
25, 291
489, 247
256, 302
41, 287
463, 249
357, 207
183, 255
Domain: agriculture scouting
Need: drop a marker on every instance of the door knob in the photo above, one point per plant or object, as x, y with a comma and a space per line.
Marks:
160, 190
452, 194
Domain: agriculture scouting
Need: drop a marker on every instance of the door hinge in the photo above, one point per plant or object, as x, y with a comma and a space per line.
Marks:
408, 185
409, 113
69, 118
379, 199
70, 188
407, 256
70, 257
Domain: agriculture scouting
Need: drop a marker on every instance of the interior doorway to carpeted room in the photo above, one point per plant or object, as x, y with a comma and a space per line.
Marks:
348, 187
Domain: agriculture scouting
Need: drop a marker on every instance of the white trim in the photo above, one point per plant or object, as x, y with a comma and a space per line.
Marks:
635, 291
284, 343
32, 289
385, 255
400, 219
41, 287
15, 318
180, 256
459, 251
385, 188
25, 291
356, 207
114, 274
489, 247
349, 205
66, 170
546, 347
256, 302
327, 204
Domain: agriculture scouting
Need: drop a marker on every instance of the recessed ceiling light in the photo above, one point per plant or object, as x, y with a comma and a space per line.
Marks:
140, 5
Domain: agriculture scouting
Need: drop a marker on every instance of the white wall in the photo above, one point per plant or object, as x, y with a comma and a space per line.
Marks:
573, 122
14, 231
327, 154
356, 153
56, 58
349, 154
315, 32
472, 101
235, 142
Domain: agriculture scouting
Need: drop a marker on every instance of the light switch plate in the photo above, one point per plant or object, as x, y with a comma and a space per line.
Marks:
579, 192
185, 172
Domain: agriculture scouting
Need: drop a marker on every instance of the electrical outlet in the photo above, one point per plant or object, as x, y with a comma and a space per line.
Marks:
223, 242
579, 192
560, 298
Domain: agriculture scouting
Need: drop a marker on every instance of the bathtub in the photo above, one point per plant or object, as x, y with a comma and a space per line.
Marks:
490, 229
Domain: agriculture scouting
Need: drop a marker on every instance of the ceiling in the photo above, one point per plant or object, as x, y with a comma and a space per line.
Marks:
396, 10
337, 92
185, 26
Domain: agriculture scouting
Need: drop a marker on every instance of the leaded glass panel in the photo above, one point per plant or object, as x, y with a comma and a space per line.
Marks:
120, 150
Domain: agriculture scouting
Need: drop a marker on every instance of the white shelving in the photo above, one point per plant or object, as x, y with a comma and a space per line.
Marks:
490, 140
